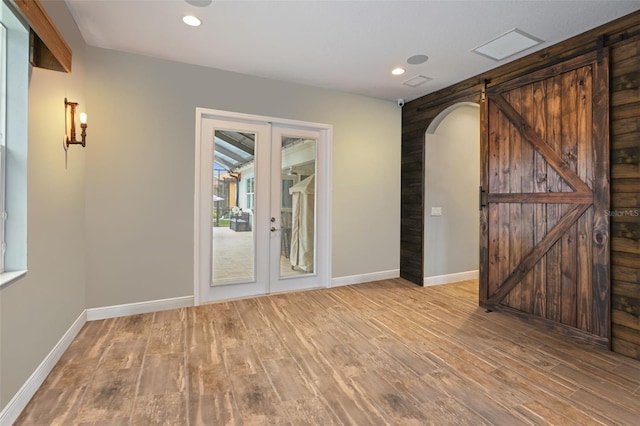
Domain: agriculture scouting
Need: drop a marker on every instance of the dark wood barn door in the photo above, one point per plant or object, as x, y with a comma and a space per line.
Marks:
544, 231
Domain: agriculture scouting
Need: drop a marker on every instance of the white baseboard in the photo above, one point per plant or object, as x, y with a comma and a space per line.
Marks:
139, 308
365, 278
12, 410
450, 278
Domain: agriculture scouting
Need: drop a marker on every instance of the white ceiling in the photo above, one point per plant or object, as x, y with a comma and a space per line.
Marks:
349, 46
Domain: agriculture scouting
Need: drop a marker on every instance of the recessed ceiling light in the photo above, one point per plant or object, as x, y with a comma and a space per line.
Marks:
417, 59
507, 44
191, 20
397, 71
199, 3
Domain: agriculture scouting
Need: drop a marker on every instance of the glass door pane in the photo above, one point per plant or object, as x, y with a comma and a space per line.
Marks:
261, 207
234, 182
297, 206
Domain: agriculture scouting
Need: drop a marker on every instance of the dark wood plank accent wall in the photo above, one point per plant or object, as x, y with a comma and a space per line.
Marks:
620, 39
625, 202
414, 124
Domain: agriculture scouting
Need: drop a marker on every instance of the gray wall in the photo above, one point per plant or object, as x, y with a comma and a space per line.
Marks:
37, 310
120, 230
452, 177
140, 182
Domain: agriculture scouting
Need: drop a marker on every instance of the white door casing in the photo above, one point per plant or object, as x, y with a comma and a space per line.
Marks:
268, 133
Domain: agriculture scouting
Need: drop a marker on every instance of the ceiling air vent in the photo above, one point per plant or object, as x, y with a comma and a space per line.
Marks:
416, 81
507, 44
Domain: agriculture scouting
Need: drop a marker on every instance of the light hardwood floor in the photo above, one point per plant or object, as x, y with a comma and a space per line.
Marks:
387, 352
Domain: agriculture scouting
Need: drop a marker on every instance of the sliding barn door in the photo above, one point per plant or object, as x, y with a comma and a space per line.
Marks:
545, 230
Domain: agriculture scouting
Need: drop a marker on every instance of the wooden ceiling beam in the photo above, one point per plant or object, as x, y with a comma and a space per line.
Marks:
48, 49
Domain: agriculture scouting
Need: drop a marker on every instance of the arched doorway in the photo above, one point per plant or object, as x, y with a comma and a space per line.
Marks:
451, 181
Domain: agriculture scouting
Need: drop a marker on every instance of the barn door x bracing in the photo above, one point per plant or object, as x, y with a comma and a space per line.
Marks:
545, 198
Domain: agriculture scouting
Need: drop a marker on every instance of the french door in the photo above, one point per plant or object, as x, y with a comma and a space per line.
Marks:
261, 206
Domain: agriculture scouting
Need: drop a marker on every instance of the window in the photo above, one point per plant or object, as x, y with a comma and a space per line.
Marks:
3, 119
250, 193
14, 96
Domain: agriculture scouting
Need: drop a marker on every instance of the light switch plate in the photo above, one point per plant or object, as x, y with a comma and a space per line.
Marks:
436, 211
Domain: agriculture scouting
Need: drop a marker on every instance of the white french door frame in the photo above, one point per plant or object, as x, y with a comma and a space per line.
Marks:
203, 204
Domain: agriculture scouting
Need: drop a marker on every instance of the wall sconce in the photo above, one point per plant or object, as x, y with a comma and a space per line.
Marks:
70, 133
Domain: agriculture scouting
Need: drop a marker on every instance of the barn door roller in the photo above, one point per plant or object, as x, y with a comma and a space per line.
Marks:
600, 49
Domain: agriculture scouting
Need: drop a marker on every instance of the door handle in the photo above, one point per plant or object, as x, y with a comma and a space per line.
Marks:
273, 229
481, 197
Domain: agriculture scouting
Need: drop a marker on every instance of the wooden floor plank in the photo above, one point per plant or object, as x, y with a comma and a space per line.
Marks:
406, 381
166, 338
470, 396
482, 380
55, 406
124, 354
334, 386
110, 395
167, 409
162, 374
288, 381
595, 382
616, 413
310, 412
554, 412
242, 361
386, 352
449, 411
213, 409
132, 328
397, 407
545, 380
257, 401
